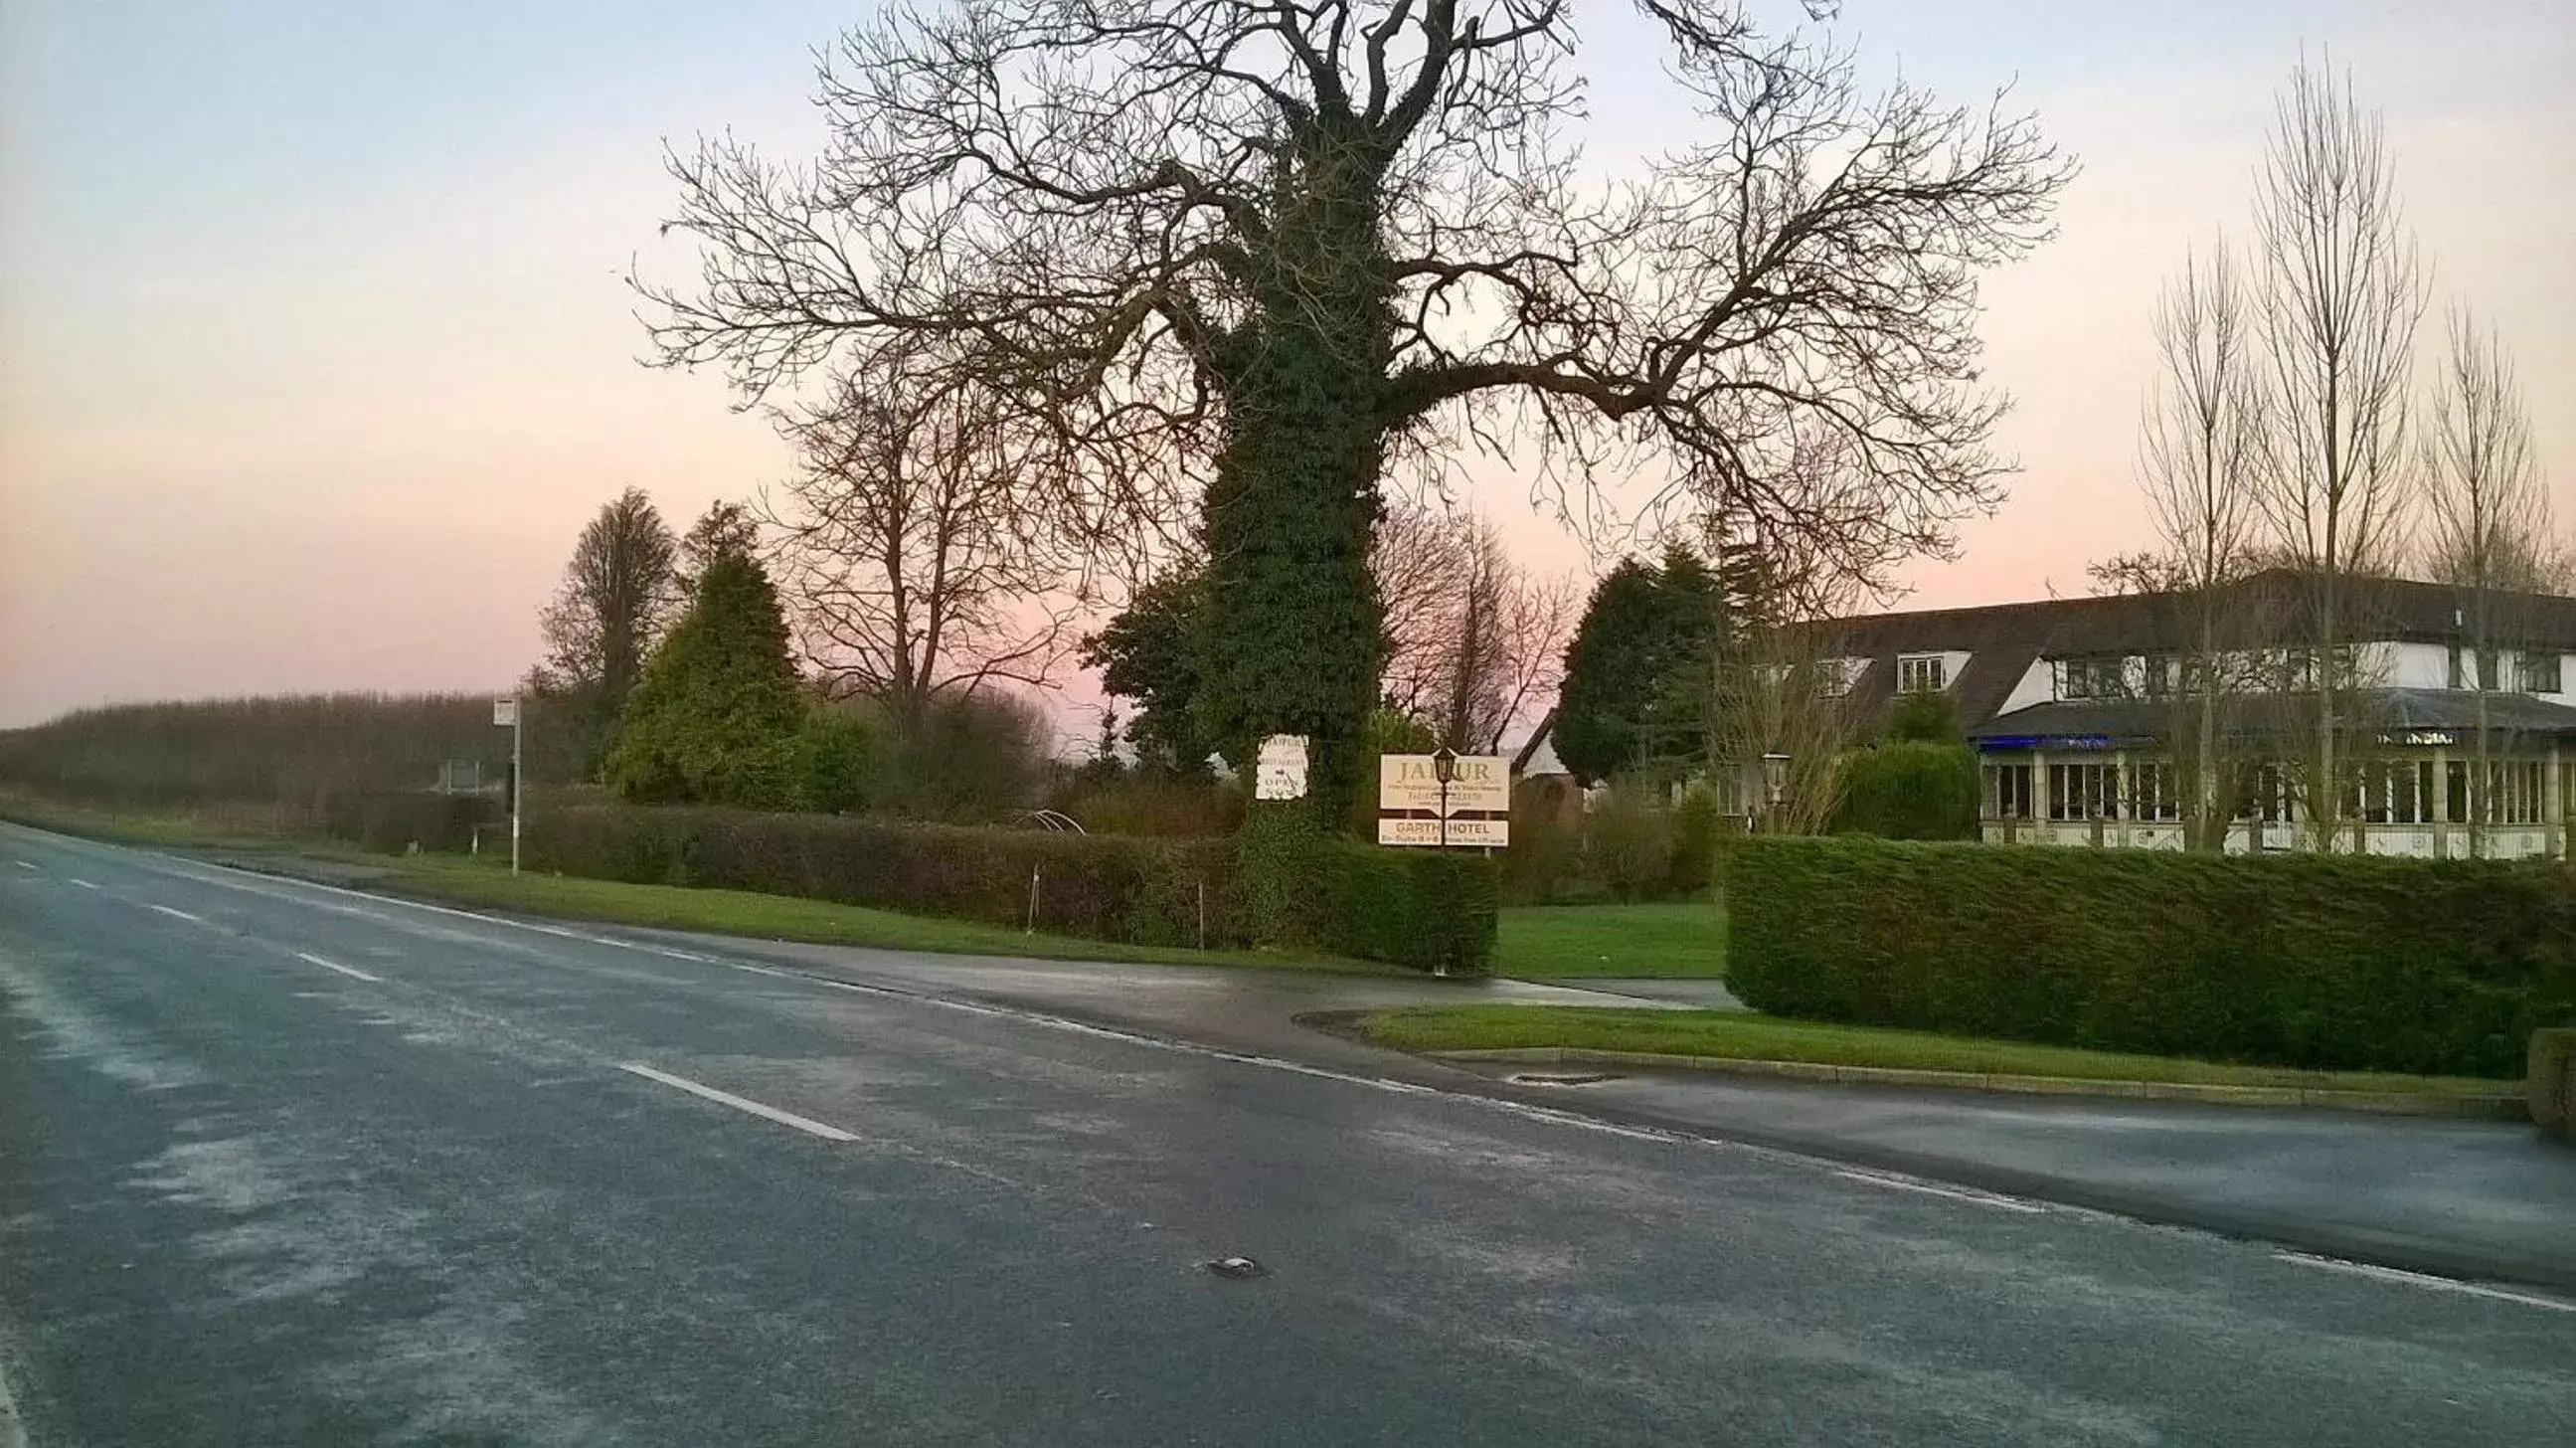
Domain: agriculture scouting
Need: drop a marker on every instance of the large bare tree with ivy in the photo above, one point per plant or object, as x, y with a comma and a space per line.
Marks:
1240, 257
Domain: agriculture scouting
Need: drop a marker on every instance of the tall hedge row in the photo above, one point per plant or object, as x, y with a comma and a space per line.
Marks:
1408, 907
1144, 891
2324, 962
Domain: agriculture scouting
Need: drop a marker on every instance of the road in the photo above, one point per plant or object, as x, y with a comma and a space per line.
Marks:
286, 1165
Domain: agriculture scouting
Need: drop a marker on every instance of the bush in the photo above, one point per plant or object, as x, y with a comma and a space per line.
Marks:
1910, 791
834, 752
1696, 827
982, 757
392, 821
1628, 843
2320, 962
1546, 854
1432, 910
1146, 892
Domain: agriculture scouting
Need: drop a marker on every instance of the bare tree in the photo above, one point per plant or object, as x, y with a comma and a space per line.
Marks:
2491, 528
2342, 293
618, 592
1416, 560
1267, 250
1473, 638
2200, 464
907, 543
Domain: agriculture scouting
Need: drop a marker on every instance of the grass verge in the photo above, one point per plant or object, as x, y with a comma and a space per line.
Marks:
1747, 1036
1679, 939
486, 883
790, 917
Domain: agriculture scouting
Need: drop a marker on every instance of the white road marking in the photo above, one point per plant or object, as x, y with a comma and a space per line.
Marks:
178, 913
26, 864
2425, 1280
84, 884
1956, 1194
1381, 1083
805, 1124
335, 965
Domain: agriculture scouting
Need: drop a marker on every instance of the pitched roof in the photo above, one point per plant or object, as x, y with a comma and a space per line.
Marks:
2004, 640
2111, 723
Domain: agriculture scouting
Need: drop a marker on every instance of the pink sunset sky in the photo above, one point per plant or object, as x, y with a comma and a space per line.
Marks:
315, 351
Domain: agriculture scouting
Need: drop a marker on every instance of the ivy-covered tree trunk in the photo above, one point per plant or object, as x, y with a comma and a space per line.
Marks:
1291, 637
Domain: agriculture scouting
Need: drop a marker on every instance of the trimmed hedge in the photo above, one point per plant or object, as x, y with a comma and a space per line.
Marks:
1143, 891
2322, 962
1409, 907
1910, 790
1428, 909
392, 821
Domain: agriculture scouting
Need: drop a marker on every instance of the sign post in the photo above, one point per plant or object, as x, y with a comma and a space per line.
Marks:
1279, 772
506, 711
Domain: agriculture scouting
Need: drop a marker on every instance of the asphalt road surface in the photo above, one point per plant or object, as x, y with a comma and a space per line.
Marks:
284, 1165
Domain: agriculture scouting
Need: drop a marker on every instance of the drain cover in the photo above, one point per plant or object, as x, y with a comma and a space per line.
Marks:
1563, 1078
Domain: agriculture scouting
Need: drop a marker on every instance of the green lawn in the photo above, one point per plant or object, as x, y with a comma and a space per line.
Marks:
1682, 939
1744, 1035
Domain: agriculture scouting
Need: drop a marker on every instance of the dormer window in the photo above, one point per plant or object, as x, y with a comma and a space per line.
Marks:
1922, 673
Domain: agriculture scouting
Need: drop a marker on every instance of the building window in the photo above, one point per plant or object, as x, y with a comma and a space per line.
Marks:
2540, 673
2456, 785
2458, 677
2008, 791
2268, 797
2101, 677
2164, 675
2083, 791
1921, 674
2514, 792
2151, 792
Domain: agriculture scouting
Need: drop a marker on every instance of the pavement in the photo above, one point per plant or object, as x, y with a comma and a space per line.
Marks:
281, 1164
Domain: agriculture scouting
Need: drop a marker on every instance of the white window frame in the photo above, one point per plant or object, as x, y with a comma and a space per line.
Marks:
1916, 665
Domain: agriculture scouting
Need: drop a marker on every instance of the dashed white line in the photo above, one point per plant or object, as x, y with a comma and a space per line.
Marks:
26, 864
1956, 1194
335, 965
805, 1124
84, 884
179, 914
2424, 1280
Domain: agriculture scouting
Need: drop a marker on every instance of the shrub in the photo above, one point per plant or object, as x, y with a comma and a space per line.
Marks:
1923, 716
294, 751
1696, 826
1910, 791
392, 821
834, 752
1628, 843
1108, 887
982, 757
1428, 909
1545, 858
2322, 962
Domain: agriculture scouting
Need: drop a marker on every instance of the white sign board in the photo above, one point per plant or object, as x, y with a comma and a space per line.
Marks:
505, 712
1281, 771
1464, 834
1408, 782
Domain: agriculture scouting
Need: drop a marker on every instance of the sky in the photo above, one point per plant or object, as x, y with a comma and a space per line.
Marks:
316, 351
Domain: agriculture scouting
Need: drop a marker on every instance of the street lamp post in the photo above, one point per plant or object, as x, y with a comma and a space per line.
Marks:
1444, 769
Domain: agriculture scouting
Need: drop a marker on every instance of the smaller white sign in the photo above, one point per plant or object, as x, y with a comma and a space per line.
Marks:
505, 712
1280, 773
1464, 834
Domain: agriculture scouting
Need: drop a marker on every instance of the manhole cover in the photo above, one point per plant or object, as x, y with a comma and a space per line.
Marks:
1563, 1078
